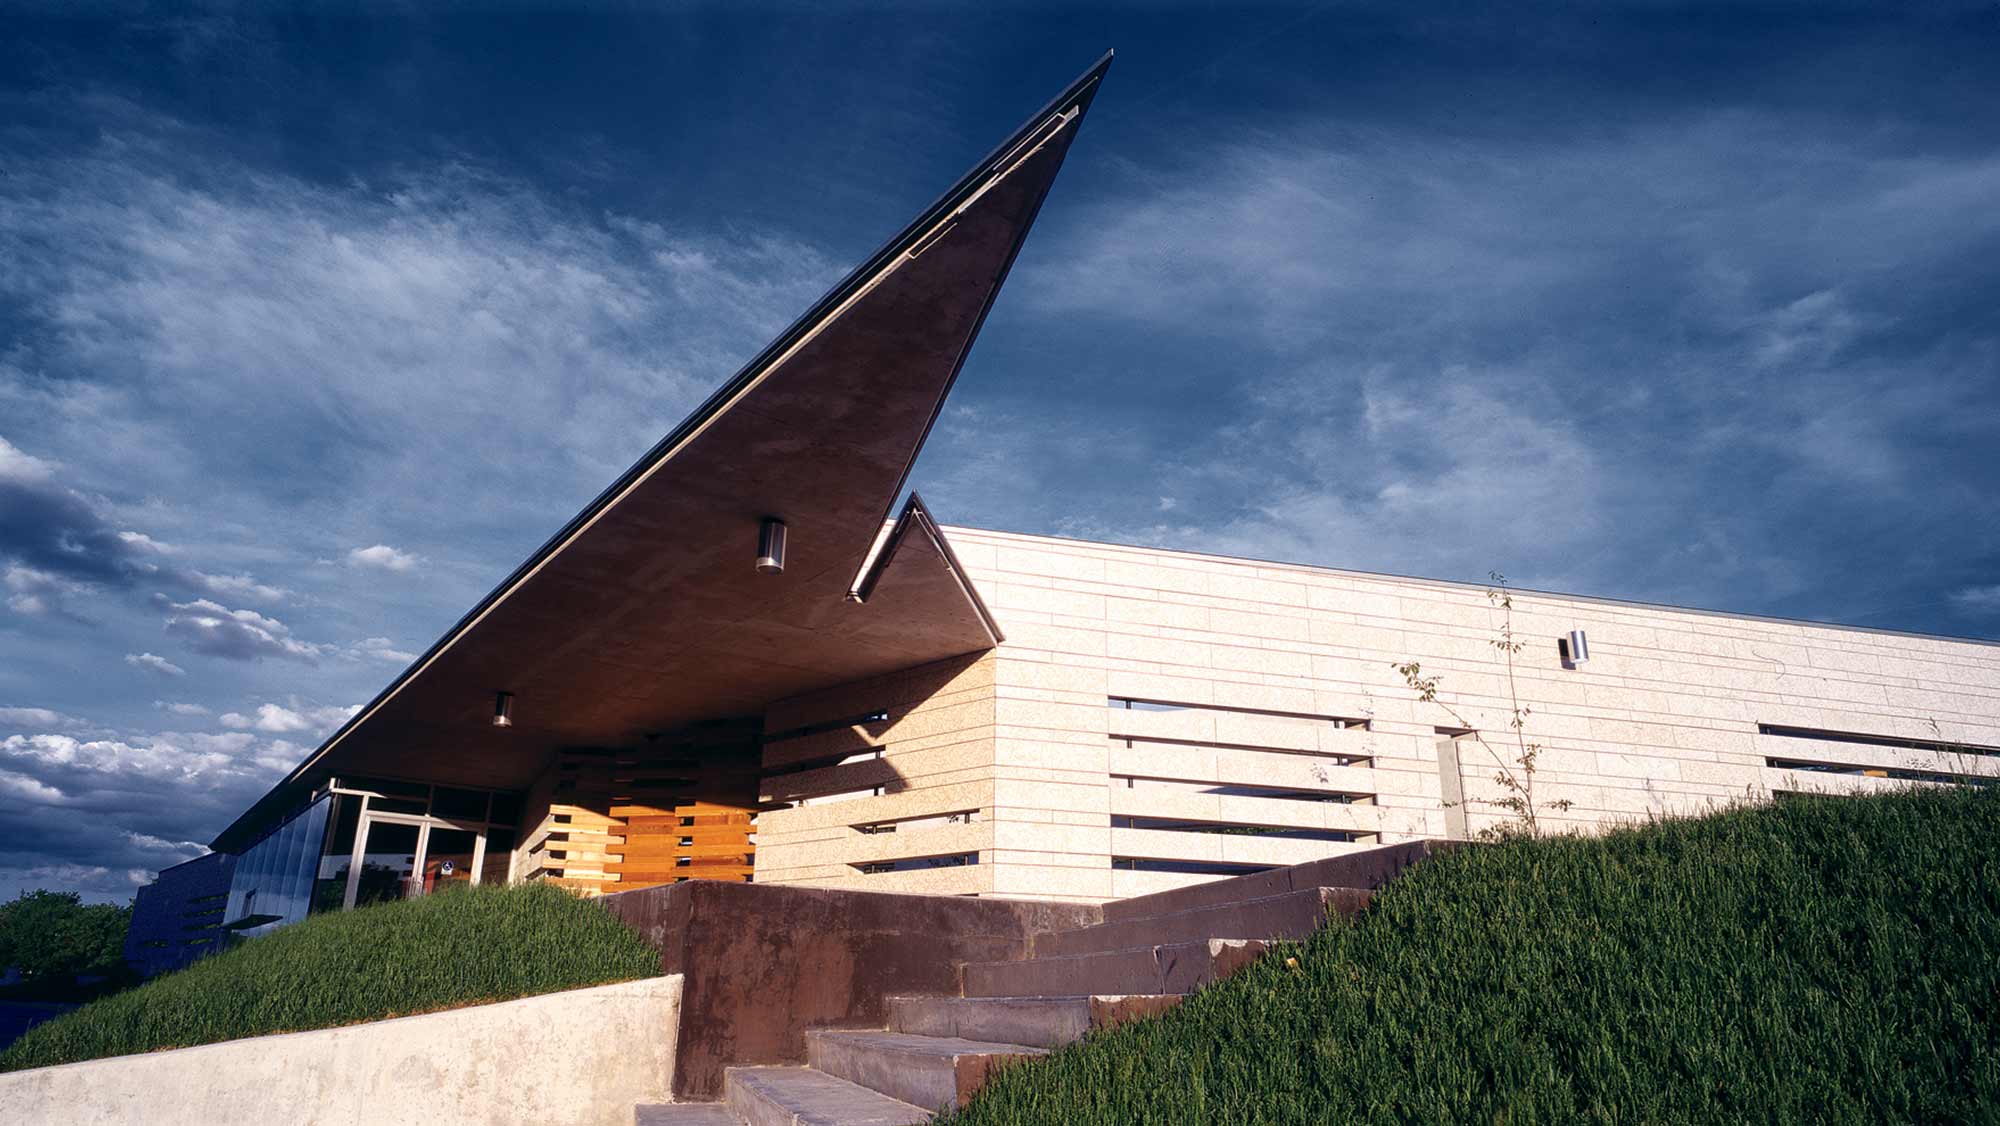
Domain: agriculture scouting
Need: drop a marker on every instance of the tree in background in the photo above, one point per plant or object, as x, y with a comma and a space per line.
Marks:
53, 936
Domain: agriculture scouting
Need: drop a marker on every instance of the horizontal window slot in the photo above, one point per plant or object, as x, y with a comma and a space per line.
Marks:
1226, 829
1141, 783
1134, 742
1186, 867
1136, 704
843, 758
879, 715
845, 795
911, 824
917, 863
1898, 773
1941, 746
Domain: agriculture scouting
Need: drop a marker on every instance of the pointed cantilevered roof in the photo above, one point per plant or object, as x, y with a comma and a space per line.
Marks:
644, 612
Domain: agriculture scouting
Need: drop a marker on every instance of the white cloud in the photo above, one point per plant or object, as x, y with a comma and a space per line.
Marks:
239, 586
1978, 599
381, 649
238, 635
28, 789
158, 844
32, 717
142, 540
384, 557
283, 721
155, 758
178, 707
20, 467
153, 662
34, 593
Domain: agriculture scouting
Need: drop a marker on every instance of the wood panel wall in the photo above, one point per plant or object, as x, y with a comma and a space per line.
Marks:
681, 807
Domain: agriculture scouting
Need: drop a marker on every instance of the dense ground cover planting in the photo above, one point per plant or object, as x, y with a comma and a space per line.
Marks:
1820, 960
465, 947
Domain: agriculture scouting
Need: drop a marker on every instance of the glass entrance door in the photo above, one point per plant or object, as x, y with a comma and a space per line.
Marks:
399, 856
385, 861
449, 858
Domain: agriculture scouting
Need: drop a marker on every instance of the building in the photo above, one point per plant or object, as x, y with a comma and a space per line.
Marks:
751, 658
177, 918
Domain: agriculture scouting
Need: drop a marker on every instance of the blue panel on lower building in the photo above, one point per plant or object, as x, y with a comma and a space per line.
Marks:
178, 917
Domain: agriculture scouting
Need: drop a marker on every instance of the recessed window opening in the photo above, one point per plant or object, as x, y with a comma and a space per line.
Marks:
1136, 704
878, 715
1230, 790
1228, 829
923, 821
917, 863
1186, 867
845, 795
1126, 703
1135, 742
825, 762
1941, 746
1898, 773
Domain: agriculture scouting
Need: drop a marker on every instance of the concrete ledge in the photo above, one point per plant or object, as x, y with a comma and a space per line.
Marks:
578, 1058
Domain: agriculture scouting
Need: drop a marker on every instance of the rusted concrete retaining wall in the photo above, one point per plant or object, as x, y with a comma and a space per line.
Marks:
763, 963
578, 1058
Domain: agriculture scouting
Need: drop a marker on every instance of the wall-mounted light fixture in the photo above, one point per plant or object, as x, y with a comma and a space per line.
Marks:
503, 709
771, 547
1575, 649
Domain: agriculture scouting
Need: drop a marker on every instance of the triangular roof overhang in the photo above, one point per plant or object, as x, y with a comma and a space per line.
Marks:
644, 614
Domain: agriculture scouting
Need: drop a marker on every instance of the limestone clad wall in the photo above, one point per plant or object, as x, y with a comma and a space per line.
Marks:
911, 790
1263, 688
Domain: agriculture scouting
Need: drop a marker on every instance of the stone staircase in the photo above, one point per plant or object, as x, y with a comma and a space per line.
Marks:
1144, 956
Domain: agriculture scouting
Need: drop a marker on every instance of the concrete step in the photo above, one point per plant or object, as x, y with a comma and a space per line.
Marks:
1178, 967
1039, 1022
1294, 914
928, 1071
684, 1114
1365, 868
801, 1096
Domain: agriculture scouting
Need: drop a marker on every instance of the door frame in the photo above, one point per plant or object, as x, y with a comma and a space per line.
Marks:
423, 823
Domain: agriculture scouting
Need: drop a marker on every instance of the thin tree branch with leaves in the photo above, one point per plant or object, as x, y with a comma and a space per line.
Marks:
1515, 776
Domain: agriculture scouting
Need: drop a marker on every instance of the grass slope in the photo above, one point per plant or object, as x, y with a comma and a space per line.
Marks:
439, 952
1822, 960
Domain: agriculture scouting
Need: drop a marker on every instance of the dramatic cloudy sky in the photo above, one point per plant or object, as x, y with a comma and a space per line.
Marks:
311, 328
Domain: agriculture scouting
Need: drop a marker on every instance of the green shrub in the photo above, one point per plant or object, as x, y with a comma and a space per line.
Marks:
461, 948
1820, 960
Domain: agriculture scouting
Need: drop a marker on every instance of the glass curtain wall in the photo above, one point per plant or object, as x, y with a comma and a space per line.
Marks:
273, 882
371, 840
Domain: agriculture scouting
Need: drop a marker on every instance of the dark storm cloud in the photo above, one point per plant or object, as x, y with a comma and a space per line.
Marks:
47, 528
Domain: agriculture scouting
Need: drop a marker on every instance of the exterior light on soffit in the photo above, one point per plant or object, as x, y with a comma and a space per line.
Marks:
771, 547
503, 709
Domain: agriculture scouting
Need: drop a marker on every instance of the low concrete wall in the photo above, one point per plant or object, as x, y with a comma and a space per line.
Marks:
766, 962
579, 1058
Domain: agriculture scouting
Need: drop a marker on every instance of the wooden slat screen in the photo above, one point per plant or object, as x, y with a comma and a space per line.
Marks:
679, 808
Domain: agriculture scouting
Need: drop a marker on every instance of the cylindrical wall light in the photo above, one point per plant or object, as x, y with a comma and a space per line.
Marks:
503, 709
771, 547
1579, 647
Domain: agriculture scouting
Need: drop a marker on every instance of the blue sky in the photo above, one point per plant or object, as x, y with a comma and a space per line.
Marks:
313, 326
